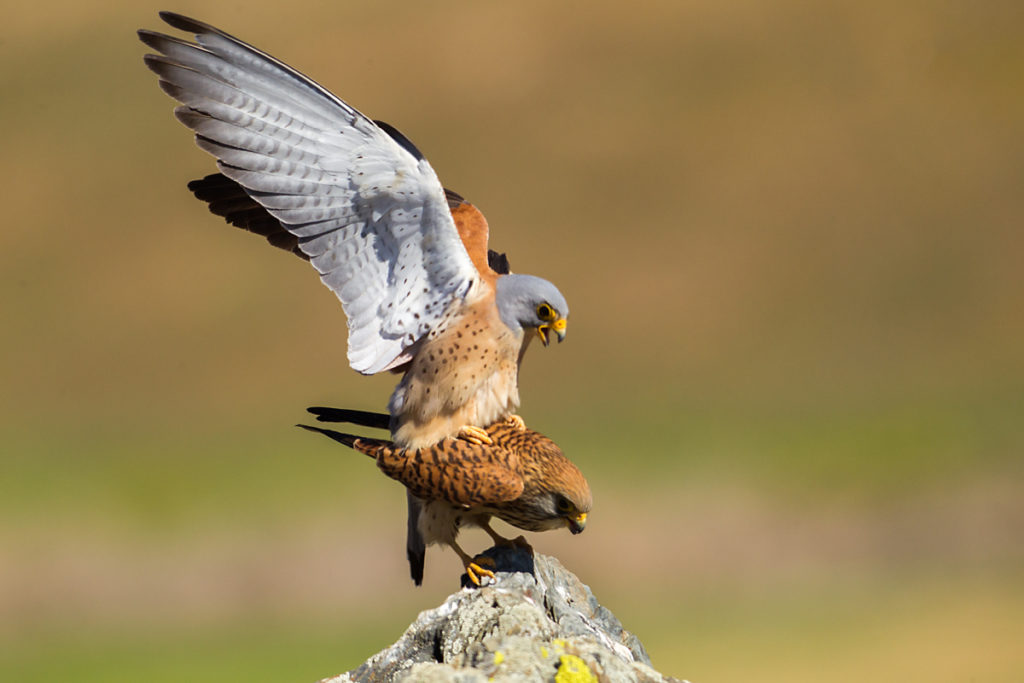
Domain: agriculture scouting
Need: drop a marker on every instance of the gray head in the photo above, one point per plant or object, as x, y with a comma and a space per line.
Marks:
528, 303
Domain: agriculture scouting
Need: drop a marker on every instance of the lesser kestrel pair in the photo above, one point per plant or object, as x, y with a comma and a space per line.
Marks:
410, 264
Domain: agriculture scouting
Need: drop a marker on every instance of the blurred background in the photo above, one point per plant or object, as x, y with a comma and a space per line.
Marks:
791, 236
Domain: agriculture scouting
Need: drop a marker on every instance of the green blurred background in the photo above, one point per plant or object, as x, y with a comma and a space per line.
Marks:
792, 236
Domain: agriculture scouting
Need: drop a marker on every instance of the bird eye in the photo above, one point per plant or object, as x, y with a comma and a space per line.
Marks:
563, 504
544, 312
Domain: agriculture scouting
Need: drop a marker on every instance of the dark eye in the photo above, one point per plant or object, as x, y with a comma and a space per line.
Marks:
544, 312
563, 504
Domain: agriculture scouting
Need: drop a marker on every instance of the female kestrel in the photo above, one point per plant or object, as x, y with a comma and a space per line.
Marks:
521, 477
359, 201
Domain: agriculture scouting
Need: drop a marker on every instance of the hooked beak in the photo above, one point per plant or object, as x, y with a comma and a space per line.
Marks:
577, 522
557, 327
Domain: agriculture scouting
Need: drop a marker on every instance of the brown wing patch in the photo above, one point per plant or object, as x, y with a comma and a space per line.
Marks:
455, 471
519, 462
473, 231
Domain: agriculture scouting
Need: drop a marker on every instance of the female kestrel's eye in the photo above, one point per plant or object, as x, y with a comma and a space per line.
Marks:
563, 504
544, 312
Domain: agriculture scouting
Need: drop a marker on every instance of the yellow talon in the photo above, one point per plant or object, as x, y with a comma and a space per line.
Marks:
475, 435
517, 422
474, 571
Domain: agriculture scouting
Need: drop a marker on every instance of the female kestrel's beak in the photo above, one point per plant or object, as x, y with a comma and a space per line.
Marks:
557, 327
577, 522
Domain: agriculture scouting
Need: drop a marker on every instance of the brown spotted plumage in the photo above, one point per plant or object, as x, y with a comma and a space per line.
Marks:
355, 198
521, 477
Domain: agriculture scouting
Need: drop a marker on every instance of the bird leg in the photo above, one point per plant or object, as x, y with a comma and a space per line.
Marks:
474, 570
495, 536
516, 421
475, 435
517, 542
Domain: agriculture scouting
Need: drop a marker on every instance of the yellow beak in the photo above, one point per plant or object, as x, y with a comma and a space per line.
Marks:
557, 327
577, 523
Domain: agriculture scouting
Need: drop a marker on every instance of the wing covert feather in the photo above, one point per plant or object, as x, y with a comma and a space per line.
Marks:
371, 216
455, 471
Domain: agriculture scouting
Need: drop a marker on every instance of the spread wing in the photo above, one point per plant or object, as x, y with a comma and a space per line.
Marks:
365, 208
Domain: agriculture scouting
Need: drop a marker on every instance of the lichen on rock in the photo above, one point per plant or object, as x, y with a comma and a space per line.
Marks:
535, 622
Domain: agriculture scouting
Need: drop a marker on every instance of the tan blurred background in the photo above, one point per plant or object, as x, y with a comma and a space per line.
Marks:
791, 236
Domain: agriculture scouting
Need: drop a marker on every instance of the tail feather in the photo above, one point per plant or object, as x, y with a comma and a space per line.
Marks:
347, 439
415, 546
370, 447
363, 418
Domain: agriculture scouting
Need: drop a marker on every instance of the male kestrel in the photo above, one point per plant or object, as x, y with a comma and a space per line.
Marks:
357, 199
521, 477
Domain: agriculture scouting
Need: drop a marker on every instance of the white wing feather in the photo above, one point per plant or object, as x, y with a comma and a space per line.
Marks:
372, 217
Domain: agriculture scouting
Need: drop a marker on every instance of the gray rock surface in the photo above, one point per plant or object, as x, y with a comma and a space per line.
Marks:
535, 622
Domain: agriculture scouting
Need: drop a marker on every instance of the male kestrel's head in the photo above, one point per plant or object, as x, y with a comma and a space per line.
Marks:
526, 302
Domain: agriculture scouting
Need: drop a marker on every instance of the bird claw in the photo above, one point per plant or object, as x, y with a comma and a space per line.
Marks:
516, 421
475, 435
476, 572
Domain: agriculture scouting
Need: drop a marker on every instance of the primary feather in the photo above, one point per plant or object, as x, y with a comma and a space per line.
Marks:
367, 210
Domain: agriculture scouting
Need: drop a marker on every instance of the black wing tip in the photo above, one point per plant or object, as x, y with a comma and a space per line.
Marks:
166, 68
150, 38
213, 179
217, 186
398, 137
184, 23
190, 25
159, 41
155, 61
229, 200
162, 66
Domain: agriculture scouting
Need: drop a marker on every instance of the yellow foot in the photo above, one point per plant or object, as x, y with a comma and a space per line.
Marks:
516, 421
476, 572
475, 435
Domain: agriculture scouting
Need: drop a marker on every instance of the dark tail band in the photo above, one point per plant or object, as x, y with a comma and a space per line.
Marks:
363, 418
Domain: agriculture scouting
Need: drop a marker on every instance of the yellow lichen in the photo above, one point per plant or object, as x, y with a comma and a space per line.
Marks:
572, 669
499, 657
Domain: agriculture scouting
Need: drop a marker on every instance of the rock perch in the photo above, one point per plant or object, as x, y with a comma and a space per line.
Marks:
536, 622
